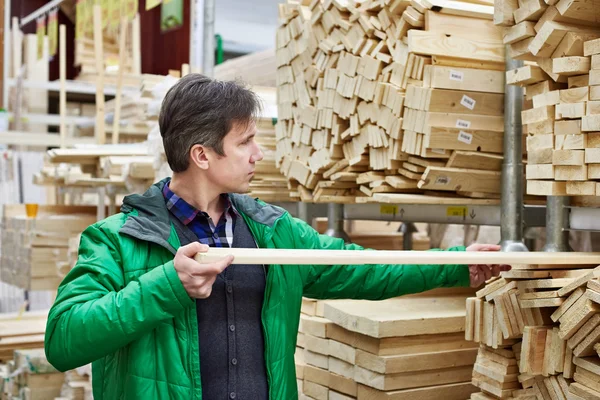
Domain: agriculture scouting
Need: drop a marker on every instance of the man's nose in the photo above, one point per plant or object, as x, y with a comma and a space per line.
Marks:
258, 156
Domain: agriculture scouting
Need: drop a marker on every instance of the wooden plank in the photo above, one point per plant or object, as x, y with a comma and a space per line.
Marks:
453, 391
590, 123
99, 54
454, 101
570, 173
540, 142
574, 110
475, 160
468, 79
579, 9
571, 66
539, 114
520, 50
411, 380
526, 75
62, 67
572, 44
579, 81
415, 362
591, 47
122, 58
399, 317
467, 139
504, 12
519, 32
460, 179
551, 34
580, 281
529, 10
434, 44
541, 171
460, 9
463, 26
576, 95
546, 188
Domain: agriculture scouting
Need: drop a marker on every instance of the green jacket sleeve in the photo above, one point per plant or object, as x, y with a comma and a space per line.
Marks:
95, 313
369, 282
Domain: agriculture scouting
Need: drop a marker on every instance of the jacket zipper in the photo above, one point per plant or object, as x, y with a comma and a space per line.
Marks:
265, 332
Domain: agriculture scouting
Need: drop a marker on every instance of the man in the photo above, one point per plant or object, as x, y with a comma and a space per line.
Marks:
158, 325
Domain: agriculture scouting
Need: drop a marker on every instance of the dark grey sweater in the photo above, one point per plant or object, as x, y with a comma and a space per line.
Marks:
230, 335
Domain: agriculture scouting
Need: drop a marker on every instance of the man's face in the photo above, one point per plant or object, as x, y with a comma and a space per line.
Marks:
234, 171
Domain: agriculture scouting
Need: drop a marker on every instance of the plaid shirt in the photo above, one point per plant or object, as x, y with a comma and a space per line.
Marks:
200, 222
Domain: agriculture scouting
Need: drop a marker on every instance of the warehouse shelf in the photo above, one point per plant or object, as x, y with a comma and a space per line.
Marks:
72, 86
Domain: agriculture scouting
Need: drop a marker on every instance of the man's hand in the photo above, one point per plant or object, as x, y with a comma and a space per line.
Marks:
198, 278
481, 273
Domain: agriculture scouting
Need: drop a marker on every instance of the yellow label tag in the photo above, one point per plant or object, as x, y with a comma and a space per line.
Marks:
388, 209
456, 211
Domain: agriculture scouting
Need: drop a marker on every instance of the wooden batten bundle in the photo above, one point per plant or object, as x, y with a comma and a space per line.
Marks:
398, 88
560, 41
538, 327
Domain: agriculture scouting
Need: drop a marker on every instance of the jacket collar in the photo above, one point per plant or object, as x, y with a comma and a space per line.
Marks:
148, 216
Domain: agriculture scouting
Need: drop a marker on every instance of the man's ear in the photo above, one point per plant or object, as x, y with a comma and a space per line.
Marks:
198, 156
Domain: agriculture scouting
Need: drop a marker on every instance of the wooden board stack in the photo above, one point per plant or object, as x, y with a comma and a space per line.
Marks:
30, 376
559, 42
256, 69
394, 349
21, 331
378, 235
537, 327
34, 247
388, 97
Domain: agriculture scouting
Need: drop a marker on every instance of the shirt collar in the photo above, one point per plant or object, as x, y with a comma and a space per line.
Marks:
184, 211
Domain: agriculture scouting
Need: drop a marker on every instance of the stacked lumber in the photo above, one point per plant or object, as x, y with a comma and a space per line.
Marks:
378, 235
21, 331
537, 327
29, 375
33, 248
77, 385
403, 348
256, 69
389, 97
72, 254
559, 41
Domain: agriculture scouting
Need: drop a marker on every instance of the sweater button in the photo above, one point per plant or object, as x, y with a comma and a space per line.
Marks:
234, 361
232, 328
232, 395
229, 289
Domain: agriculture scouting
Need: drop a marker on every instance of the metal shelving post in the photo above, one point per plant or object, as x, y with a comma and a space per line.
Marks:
335, 222
512, 209
557, 224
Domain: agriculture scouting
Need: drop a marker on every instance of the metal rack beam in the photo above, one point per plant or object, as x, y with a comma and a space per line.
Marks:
443, 214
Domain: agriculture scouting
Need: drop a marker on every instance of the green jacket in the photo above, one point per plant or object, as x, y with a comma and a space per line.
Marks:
124, 309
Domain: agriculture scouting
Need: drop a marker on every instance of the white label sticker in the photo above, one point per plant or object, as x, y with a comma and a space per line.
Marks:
442, 180
456, 76
465, 137
468, 102
438, 151
461, 123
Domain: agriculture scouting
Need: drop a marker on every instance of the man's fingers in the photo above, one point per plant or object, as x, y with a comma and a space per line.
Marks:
496, 269
191, 249
490, 247
219, 266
